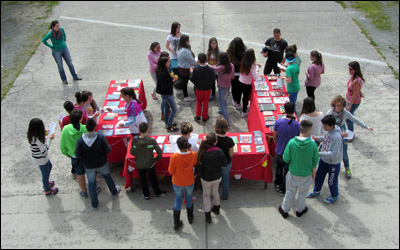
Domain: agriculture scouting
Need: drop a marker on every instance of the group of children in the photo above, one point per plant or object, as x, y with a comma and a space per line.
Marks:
297, 153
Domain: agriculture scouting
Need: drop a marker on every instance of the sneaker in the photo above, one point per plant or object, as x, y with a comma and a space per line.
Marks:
83, 194
313, 194
220, 112
65, 82
347, 173
172, 129
98, 188
154, 96
146, 197
189, 99
225, 198
330, 199
283, 213
208, 117
197, 119
239, 107
212, 97
277, 187
162, 193
245, 114
52, 183
78, 78
299, 214
52, 191
94, 208
118, 191
73, 176
281, 192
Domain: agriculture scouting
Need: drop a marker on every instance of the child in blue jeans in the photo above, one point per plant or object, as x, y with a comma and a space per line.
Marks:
331, 153
39, 149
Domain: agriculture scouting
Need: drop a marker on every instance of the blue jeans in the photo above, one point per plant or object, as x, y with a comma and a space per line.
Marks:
169, 102
225, 180
58, 56
222, 92
293, 99
46, 169
179, 196
91, 176
349, 123
346, 160
333, 171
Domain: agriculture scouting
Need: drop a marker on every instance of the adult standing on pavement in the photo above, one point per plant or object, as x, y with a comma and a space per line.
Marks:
60, 50
354, 94
276, 46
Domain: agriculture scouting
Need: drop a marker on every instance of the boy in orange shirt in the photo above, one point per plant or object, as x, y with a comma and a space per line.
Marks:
181, 168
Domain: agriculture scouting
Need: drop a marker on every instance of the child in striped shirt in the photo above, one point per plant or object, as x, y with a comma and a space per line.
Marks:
39, 149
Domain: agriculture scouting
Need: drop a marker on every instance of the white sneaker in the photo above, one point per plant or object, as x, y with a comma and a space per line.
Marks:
178, 91
118, 191
239, 107
245, 114
189, 99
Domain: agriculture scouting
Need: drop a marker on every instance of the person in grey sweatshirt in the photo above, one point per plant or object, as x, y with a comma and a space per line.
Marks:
341, 115
331, 153
92, 148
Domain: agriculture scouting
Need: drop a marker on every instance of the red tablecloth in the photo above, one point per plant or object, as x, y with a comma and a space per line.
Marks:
116, 142
249, 165
256, 121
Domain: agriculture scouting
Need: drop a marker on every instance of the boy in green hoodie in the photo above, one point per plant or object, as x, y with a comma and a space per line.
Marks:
142, 148
302, 155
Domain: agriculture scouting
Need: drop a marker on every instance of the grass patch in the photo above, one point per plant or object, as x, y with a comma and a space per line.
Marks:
375, 11
342, 3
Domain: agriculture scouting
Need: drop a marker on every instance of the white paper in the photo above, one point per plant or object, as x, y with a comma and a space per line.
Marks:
61, 117
161, 139
350, 135
52, 128
281, 66
130, 168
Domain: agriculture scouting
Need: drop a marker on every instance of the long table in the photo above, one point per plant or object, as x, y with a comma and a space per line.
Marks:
118, 142
256, 120
252, 165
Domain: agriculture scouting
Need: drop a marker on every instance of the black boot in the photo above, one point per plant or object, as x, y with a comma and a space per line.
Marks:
177, 223
215, 209
208, 217
190, 214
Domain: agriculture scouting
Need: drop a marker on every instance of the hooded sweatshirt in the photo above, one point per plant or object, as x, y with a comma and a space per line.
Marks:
92, 149
302, 155
181, 168
212, 161
331, 148
142, 149
69, 137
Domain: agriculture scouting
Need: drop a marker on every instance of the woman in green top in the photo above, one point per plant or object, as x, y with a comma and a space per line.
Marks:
292, 78
60, 50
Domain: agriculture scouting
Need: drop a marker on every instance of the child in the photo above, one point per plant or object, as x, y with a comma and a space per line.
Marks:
284, 130
235, 53
297, 58
210, 160
68, 106
292, 78
311, 114
186, 131
248, 72
213, 58
39, 149
331, 155
133, 110
226, 73
314, 72
302, 155
172, 45
226, 144
341, 115
203, 77
153, 56
165, 89
354, 94
185, 62
181, 168
92, 149
142, 148
83, 103
70, 134
91, 107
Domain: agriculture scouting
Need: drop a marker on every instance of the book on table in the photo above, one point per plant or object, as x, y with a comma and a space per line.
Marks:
122, 131
113, 104
107, 126
235, 139
168, 148
269, 123
264, 100
269, 118
120, 82
268, 113
257, 133
235, 148
107, 132
260, 149
277, 93
282, 108
246, 148
272, 77
109, 117
267, 107
262, 93
245, 139
258, 141
113, 97
281, 100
